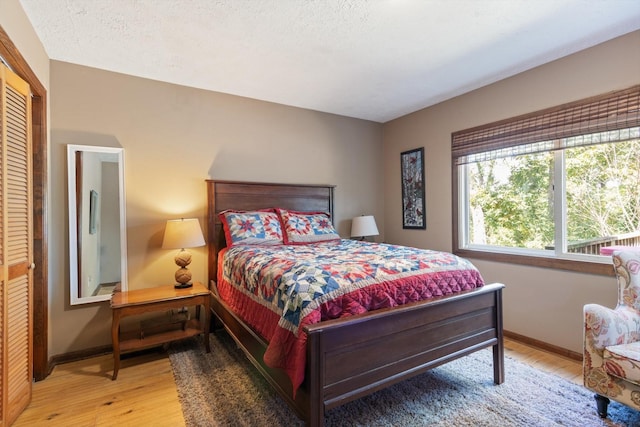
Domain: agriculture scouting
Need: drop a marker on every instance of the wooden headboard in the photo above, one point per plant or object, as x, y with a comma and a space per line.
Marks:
223, 195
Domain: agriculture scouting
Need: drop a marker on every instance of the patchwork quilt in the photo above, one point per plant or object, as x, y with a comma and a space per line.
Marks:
278, 290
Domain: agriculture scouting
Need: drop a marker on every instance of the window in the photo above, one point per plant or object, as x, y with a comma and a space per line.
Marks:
553, 187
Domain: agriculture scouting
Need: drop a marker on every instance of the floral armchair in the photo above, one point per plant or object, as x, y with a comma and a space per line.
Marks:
611, 365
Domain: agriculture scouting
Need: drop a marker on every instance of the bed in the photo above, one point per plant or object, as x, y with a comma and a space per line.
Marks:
350, 357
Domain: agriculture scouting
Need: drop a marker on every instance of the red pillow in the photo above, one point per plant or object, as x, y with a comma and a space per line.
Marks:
300, 228
261, 227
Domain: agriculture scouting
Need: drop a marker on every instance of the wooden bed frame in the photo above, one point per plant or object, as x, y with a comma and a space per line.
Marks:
352, 357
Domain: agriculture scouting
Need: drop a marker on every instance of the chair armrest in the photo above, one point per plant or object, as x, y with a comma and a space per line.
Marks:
604, 326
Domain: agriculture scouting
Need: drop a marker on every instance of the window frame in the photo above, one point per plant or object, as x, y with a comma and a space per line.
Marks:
586, 116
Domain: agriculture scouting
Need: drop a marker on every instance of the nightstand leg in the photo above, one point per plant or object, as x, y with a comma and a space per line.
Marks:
205, 324
115, 340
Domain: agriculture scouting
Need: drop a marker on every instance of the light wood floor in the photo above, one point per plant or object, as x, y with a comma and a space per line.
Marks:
82, 394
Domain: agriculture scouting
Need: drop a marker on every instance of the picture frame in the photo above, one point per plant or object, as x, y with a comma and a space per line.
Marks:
93, 211
413, 189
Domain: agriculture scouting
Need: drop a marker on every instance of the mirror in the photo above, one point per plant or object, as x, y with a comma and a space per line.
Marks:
97, 222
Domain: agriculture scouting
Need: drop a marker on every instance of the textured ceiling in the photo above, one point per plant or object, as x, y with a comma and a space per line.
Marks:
370, 59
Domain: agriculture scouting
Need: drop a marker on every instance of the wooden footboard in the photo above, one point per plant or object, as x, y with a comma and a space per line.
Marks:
356, 356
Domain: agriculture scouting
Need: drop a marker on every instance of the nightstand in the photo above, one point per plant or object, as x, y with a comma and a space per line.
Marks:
161, 298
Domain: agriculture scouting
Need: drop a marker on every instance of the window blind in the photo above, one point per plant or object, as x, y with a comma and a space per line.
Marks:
590, 121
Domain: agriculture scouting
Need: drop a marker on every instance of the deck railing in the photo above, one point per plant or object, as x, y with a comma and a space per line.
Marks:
593, 246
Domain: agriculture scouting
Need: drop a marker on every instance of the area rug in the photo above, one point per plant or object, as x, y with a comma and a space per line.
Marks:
222, 388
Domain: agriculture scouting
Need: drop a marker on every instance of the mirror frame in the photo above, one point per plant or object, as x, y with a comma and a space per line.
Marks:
73, 173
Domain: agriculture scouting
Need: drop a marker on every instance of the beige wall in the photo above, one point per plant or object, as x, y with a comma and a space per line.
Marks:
174, 138
540, 303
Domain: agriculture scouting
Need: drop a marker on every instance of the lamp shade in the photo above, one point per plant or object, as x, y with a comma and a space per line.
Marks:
182, 233
362, 226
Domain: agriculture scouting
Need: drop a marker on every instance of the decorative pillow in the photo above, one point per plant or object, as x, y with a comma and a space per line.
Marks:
251, 227
306, 227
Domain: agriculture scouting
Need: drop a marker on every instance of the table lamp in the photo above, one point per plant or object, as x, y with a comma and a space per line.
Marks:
363, 226
182, 234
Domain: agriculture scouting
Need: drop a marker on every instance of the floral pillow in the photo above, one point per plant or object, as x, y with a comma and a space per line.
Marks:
251, 227
306, 227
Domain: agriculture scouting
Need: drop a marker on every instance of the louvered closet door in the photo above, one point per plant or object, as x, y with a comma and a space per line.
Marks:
16, 255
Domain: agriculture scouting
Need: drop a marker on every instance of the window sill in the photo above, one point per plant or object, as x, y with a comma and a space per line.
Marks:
542, 262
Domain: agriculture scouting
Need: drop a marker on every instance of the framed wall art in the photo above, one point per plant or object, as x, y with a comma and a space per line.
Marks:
412, 175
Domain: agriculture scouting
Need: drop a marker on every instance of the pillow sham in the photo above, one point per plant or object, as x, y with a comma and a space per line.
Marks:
261, 227
300, 228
